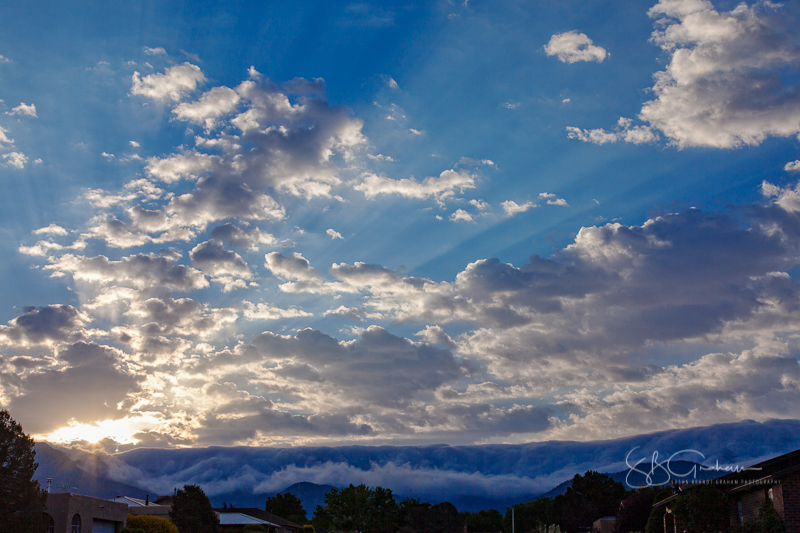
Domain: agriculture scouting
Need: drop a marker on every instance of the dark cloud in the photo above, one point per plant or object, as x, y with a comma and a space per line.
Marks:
88, 390
38, 325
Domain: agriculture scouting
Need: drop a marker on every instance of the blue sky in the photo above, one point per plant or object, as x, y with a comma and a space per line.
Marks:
462, 222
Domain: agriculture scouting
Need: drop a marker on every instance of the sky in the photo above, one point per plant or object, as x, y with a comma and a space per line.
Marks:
317, 223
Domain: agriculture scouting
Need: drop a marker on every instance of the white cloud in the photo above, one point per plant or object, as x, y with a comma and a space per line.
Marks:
479, 204
334, 234
380, 157
134, 144
107, 155
441, 187
4, 138
15, 159
722, 87
216, 102
792, 166
159, 51
552, 199
268, 311
460, 214
511, 105
625, 132
173, 85
512, 208
392, 84
416, 132
54, 229
4, 59
24, 109
571, 47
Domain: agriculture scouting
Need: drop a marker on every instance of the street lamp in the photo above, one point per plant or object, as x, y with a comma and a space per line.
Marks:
512, 517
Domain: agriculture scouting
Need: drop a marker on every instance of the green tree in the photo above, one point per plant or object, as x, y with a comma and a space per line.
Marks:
192, 512
703, 509
634, 511
21, 499
489, 520
767, 521
287, 506
530, 516
358, 508
655, 523
589, 497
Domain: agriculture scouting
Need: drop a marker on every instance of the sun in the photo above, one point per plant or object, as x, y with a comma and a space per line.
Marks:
121, 431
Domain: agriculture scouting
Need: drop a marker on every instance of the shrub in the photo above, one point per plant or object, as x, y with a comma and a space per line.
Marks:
151, 524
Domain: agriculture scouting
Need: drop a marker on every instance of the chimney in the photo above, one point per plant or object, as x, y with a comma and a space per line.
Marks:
147, 500
49, 481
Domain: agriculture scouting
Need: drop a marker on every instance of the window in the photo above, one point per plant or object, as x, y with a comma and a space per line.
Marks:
770, 496
76, 524
49, 525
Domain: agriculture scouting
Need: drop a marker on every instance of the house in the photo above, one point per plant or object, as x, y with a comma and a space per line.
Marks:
274, 523
604, 525
777, 479
235, 521
75, 513
138, 506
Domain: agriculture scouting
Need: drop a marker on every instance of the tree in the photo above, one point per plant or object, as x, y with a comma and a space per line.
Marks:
703, 509
484, 520
655, 524
287, 506
192, 512
358, 508
767, 521
21, 499
151, 524
530, 516
634, 511
589, 497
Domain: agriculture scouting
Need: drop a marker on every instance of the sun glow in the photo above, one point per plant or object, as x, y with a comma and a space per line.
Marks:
121, 430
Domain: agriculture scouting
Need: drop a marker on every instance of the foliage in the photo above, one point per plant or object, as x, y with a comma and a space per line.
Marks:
591, 496
703, 508
655, 523
635, 510
416, 517
358, 508
21, 500
767, 521
484, 520
530, 516
192, 512
254, 527
308, 528
287, 506
151, 524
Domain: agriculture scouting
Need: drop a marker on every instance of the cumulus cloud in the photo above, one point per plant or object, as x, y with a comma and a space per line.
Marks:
23, 109
158, 51
4, 139
512, 208
625, 131
53, 229
237, 237
224, 266
175, 83
44, 325
722, 87
571, 47
268, 311
218, 101
553, 199
460, 214
441, 187
333, 234
792, 166
15, 159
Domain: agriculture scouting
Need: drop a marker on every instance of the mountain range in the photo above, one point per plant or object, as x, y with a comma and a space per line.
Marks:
471, 477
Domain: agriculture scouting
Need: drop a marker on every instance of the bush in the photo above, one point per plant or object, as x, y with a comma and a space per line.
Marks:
151, 524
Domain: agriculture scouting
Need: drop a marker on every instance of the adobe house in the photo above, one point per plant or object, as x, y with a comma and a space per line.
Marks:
75, 513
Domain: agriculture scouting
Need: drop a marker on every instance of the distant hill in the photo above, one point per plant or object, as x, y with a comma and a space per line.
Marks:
67, 476
635, 479
310, 494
